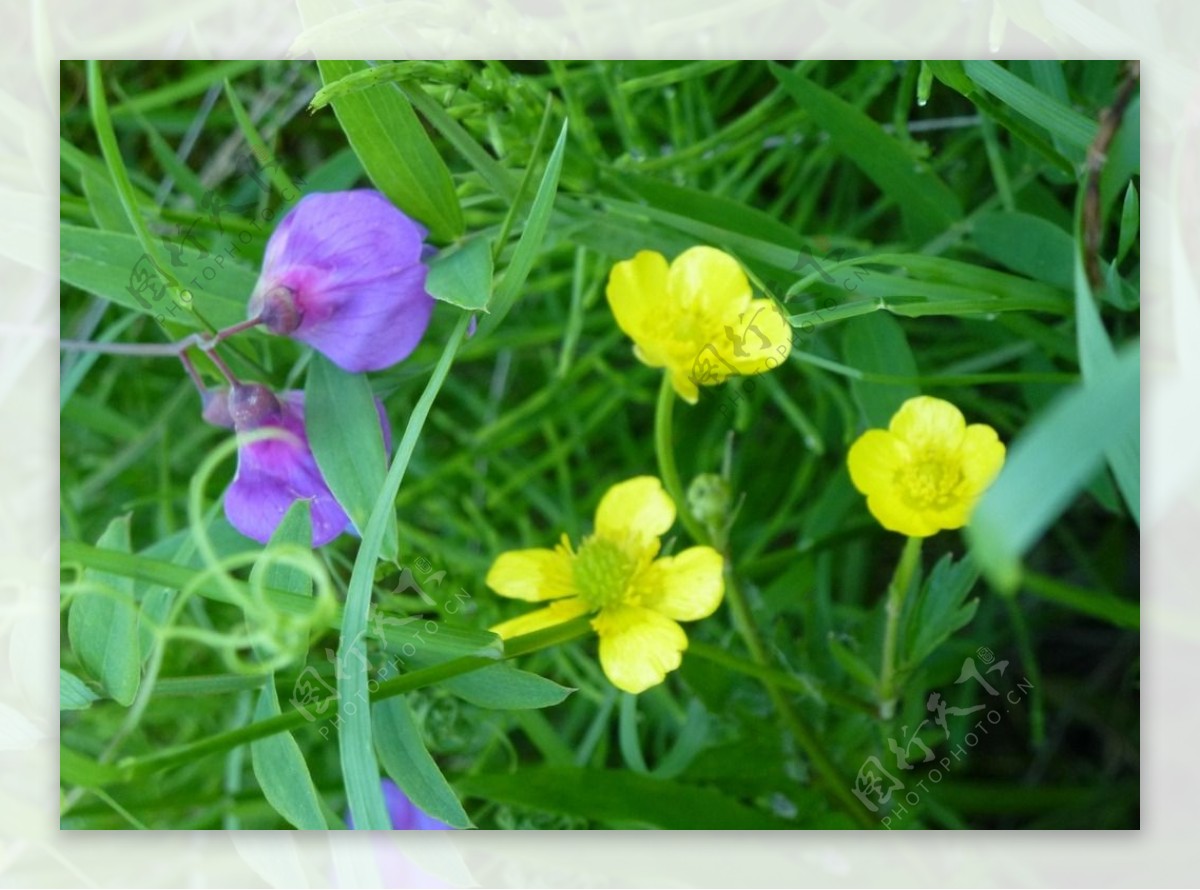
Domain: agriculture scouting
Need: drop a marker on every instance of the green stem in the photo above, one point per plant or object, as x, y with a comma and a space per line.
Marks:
835, 786
664, 446
896, 593
356, 746
81, 770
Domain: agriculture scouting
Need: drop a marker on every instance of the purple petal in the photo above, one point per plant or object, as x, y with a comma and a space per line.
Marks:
353, 265
273, 474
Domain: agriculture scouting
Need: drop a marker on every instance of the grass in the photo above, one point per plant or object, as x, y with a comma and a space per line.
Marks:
947, 247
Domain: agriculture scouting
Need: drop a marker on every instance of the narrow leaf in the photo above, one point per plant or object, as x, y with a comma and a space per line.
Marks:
342, 420
73, 693
277, 760
102, 624
927, 204
409, 764
876, 343
1050, 464
463, 276
531, 238
396, 152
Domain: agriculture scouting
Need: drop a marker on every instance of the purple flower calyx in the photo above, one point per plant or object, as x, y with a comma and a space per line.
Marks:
277, 310
251, 405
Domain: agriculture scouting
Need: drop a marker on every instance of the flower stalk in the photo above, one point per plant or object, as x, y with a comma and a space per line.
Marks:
897, 592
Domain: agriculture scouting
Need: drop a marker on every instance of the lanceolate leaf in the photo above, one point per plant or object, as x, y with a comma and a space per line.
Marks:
103, 623
396, 151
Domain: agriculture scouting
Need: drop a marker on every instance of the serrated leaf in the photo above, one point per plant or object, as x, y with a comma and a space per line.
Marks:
408, 763
342, 421
462, 276
103, 625
852, 663
939, 608
73, 693
396, 152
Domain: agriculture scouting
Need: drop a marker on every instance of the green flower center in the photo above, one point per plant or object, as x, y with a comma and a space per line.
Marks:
602, 572
931, 482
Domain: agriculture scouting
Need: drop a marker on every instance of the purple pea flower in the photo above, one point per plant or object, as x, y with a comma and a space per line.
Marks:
405, 815
274, 473
343, 273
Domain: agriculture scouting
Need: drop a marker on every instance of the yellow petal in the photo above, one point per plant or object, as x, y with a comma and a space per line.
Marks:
925, 421
532, 575
982, 455
638, 647
555, 613
686, 587
758, 339
889, 508
637, 508
707, 281
637, 289
874, 459
684, 385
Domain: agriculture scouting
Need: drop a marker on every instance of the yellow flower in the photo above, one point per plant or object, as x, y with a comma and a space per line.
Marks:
696, 318
637, 600
926, 471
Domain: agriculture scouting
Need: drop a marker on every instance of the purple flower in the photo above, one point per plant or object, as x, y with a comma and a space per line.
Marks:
405, 815
274, 473
343, 273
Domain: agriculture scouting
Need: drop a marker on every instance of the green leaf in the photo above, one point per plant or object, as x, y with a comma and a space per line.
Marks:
1096, 357
341, 418
1060, 120
951, 73
876, 343
531, 238
102, 624
852, 663
396, 152
277, 760
105, 203
409, 764
1123, 159
927, 204
1130, 223
939, 609
356, 750
281, 771
1027, 244
293, 531
505, 688
73, 693
462, 276
1050, 463
617, 797
110, 265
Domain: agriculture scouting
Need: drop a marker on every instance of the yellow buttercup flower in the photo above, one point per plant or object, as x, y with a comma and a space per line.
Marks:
926, 471
696, 318
637, 599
